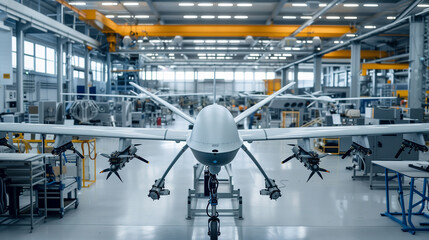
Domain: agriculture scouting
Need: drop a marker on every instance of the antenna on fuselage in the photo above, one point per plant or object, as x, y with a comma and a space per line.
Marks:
214, 86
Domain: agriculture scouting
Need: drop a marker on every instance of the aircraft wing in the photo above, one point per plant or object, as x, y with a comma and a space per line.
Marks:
98, 131
134, 96
326, 132
362, 98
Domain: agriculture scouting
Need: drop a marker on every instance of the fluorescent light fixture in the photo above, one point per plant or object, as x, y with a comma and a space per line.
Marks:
370, 27
323, 4
110, 16
130, 3
240, 17
289, 17
370, 5
140, 40
295, 49
224, 17
306, 17
210, 41
299, 5
222, 48
332, 17
234, 41
208, 16
351, 5
198, 41
78, 3
350, 17
186, 4
141, 16
423, 5
109, 4
225, 4
222, 41
124, 16
350, 35
244, 4
205, 4
190, 16
287, 55
391, 17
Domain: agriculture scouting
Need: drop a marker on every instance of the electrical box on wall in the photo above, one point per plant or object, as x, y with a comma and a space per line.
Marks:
6, 74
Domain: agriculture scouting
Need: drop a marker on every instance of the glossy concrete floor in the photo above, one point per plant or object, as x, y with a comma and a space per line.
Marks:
335, 208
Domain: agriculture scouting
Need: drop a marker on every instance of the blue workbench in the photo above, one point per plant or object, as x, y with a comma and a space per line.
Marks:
405, 216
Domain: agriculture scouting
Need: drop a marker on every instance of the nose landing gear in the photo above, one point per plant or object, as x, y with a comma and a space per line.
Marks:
213, 222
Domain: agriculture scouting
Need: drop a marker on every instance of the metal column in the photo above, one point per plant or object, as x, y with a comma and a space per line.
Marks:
295, 78
317, 62
355, 71
20, 67
283, 74
60, 73
87, 66
415, 82
109, 69
69, 69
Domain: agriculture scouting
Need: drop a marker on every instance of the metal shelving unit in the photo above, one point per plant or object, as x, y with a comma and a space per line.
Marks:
23, 172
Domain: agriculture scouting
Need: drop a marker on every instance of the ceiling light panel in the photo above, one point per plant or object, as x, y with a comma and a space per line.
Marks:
244, 4
299, 5
78, 3
332, 17
224, 17
186, 4
370, 5
225, 4
205, 4
130, 3
351, 5
124, 16
306, 17
423, 5
109, 3
241, 17
110, 16
289, 17
207, 16
141, 16
370, 27
190, 16
350, 17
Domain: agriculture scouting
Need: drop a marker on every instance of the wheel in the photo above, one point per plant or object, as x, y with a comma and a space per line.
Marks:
213, 230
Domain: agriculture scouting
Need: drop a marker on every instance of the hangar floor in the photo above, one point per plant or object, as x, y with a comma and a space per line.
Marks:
336, 207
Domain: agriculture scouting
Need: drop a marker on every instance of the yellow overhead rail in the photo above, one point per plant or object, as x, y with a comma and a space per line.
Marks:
104, 24
387, 66
364, 54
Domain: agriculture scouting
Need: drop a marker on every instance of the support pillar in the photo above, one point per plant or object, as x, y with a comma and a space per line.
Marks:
109, 70
60, 73
19, 67
283, 74
415, 79
295, 78
355, 71
317, 63
69, 69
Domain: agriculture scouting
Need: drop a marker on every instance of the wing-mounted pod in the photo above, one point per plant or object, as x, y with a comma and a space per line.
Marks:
117, 159
360, 145
64, 143
311, 159
413, 141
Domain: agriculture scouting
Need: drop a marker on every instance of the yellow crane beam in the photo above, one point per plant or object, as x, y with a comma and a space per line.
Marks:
383, 66
364, 54
105, 25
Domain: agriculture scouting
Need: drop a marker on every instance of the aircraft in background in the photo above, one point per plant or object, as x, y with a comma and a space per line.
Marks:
215, 140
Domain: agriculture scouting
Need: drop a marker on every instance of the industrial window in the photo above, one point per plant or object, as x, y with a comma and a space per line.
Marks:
13, 52
50, 60
97, 70
189, 76
28, 56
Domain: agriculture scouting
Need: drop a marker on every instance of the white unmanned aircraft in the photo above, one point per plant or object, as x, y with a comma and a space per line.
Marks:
215, 141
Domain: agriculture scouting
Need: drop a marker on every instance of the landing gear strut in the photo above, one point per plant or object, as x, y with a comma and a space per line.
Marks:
213, 222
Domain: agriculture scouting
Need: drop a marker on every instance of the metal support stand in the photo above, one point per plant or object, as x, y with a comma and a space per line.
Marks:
271, 188
158, 188
200, 191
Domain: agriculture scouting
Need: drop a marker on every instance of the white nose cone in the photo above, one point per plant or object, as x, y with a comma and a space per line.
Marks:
215, 131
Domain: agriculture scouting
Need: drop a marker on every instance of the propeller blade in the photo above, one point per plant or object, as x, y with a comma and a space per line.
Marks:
138, 144
323, 170
108, 175
290, 144
289, 158
140, 158
125, 156
105, 170
347, 153
311, 175
399, 152
105, 155
311, 104
117, 174
320, 175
